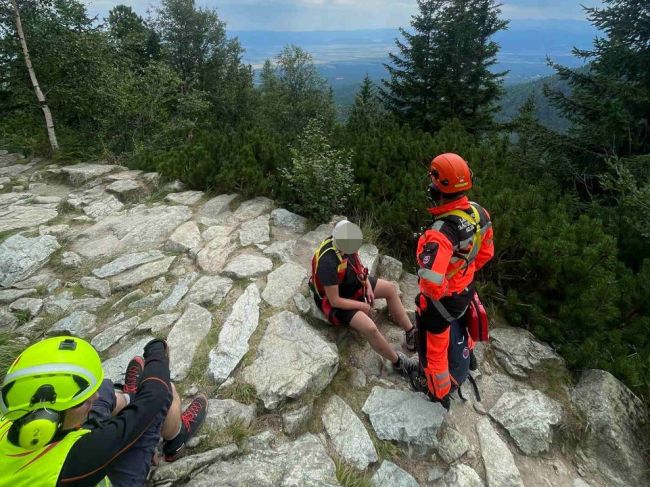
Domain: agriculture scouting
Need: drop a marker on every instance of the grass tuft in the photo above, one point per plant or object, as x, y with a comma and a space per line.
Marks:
23, 316
240, 392
350, 477
10, 348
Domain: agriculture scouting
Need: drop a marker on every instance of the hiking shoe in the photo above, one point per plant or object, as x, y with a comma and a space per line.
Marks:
473, 363
407, 365
191, 421
410, 338
132, 375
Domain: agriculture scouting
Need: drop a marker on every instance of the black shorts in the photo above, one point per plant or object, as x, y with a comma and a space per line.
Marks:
337, 316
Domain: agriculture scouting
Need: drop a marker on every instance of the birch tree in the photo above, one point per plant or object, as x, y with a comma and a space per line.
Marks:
49, 122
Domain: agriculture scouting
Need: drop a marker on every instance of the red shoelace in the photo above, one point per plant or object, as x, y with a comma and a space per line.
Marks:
131, 379
190, 414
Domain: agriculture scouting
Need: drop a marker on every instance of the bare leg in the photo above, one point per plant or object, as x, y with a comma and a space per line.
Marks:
385, 289
362, 323
172, 423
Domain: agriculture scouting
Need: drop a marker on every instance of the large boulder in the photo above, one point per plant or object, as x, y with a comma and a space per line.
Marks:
234, 335
137, 276
216, 206
20, 257
246, 266
255, 231
410, 289
213, 257
187, 198
185, 238
185, 337
103, 207
79, 174
225, 412
404, 416
292, 360
10, 295
287, 222
499, 463
114, 333
139, 229
16, 217
529, 416
177, 293
159, 323
79, 323
617, 419
209, 290
390, 268
296, 420
390, 475
179, 472
283, 284
251, 209
519, 352
301, 463
452, 445
348, 434
369, 255
126, 262
460, 475
283, 251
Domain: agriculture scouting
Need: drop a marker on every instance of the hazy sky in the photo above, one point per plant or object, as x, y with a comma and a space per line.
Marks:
342, 14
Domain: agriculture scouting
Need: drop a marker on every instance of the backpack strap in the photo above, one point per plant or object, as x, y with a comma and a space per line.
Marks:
326, 246
477, 239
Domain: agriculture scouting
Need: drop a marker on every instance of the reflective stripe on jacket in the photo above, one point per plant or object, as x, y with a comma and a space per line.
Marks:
447, 265
34, 468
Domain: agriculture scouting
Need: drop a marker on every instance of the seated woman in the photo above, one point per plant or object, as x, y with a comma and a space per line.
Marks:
344, 292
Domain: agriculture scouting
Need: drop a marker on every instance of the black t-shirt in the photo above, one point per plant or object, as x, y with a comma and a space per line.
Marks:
90, 456
327, 273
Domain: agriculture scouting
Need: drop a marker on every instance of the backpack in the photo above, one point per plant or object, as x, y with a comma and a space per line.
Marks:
458, 357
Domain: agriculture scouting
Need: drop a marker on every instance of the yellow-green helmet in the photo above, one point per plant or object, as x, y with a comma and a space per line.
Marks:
58, 374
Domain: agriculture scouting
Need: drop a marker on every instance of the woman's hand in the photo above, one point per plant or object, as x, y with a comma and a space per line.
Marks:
370, 293
365, 308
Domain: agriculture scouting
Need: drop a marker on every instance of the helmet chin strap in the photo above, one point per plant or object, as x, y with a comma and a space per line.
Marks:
435, 195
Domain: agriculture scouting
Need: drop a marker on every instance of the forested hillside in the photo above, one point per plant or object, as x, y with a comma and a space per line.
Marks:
570, 210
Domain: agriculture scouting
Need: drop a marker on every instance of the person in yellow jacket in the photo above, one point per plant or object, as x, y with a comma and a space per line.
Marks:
63, 424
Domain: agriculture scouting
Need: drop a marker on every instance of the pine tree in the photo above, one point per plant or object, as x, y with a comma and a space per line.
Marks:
609, 104
131, 36
442, 70
366, 111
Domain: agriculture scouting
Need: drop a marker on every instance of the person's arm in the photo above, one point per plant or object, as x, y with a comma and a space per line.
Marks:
337, 301
88, 459
433, 255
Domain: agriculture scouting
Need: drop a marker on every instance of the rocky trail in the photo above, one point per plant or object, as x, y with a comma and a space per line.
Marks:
118, 256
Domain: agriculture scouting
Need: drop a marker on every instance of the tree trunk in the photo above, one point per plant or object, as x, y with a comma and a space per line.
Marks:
39, 94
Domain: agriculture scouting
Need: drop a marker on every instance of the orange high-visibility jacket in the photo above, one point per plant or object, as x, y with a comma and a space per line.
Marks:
448, 254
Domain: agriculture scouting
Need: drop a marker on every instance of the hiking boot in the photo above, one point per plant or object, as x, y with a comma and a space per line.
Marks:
191, 421
132, 375
407, 365
473, 363
410, 338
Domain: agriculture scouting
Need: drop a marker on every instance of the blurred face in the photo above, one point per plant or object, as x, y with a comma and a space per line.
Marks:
77, 416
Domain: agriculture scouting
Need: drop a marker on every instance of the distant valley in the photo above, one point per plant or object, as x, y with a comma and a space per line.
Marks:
345, 57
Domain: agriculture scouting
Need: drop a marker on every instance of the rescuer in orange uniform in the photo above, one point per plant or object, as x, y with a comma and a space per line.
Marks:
451, 250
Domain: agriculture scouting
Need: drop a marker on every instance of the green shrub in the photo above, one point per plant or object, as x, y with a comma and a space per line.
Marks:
320, 177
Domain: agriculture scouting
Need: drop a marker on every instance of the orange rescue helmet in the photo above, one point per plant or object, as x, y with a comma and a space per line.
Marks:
450, 174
